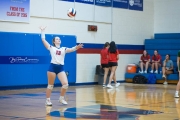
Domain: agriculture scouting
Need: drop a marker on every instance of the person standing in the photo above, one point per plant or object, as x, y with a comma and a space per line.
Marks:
104, 61
178, 84
113, 58
56, 67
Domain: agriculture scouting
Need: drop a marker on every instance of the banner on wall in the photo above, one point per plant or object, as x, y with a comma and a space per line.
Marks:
85, 1
15, 10
121, 4
67, 0
105, 3
136, 5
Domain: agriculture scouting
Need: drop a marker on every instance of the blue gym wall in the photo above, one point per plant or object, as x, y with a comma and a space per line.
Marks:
30, 46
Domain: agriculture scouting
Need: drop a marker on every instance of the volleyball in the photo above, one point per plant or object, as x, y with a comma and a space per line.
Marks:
71, 12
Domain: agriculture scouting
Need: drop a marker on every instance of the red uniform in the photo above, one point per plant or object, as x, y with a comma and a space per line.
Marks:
104, 56
146, 58
156, 58
113, 56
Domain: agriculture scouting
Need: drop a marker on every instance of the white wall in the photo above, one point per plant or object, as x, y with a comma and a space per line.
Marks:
166, 16
126, 26
132, 27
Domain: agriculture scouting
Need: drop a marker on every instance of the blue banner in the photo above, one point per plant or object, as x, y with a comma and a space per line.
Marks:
136, 5
15, 10
24, 59
121, 4
67, 0
105, 3
85, 1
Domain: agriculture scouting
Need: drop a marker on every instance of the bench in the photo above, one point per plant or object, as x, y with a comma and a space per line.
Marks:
165, 43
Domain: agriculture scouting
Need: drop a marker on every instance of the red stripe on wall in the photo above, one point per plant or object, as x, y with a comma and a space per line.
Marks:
97, 51
88, 51
130, 51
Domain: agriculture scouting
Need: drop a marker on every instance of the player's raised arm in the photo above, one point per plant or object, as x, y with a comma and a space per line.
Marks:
46, 44
74, 48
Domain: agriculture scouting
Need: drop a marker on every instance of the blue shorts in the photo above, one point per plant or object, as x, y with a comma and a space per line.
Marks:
55, 68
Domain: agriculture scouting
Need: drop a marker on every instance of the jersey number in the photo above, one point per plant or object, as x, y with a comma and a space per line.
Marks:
58, 52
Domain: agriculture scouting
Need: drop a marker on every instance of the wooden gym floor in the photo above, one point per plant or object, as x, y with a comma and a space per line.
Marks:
127, 102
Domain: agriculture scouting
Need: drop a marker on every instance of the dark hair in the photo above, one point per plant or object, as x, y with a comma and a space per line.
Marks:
156, 50
168, 55
154, 54
53, 41
106, 44
112, 48
146, 53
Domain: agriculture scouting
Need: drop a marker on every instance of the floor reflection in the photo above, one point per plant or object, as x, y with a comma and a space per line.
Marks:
138, 103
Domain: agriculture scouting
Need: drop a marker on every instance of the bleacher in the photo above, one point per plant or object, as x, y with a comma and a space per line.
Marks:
165, 43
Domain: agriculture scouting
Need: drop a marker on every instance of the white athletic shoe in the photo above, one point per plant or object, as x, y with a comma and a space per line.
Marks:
62, 100
109, 86
48, 102
165, 83
156, 72
141, 72
104, 85
145, 71
164, 77
176, 95
117, 84
151, 71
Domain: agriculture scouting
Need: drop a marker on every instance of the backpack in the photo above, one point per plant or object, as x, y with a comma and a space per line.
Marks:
139, 79
151, 78
99, 70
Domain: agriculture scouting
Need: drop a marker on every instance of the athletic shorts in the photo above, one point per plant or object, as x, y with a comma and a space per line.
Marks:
55, 68
105, 65
145, 62
111, 64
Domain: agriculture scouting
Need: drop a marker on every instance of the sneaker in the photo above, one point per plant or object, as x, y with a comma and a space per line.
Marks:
145, 71
109, 86
156, 72
62, 100
141, 72
151, 71
165, 83
176, 95
164, 77
117, 84
104, 85
48, 102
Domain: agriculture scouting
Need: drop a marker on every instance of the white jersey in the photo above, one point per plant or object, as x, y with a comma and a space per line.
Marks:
57, 54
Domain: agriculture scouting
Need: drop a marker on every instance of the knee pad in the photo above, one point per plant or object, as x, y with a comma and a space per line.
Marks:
50, 87
65, 86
